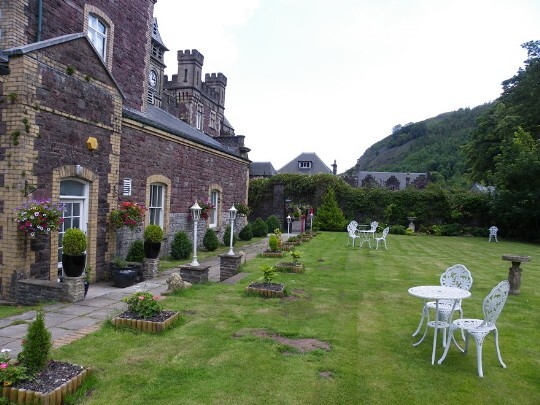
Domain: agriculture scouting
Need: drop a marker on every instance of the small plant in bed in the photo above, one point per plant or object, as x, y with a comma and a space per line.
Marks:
266, 287
295, 266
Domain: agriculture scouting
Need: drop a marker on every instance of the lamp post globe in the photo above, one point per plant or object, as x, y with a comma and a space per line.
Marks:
196, 215
288, 226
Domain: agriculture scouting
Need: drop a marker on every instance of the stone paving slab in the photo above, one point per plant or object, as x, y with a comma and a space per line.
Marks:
100, 302
77, 323
25, 316
234, 279
15, 331
102, 314
75, 310
53, 319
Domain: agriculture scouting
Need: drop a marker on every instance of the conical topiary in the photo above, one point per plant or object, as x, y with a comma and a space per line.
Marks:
36, 346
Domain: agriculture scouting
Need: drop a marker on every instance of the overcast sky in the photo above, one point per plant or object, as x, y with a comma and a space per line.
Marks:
334, 77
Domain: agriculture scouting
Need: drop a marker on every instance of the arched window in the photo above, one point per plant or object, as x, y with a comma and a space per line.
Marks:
97, 32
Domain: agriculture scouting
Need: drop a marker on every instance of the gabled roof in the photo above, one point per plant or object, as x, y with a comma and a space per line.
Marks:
262, 169
155, 34
316, 165
161, 119
37, 46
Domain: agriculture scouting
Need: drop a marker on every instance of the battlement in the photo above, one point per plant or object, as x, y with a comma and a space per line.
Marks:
192, 55
215, 78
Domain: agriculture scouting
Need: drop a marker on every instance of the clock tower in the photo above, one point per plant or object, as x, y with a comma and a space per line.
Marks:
157, 67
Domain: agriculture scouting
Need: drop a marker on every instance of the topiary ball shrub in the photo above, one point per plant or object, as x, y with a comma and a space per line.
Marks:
181, 246
272, 222
259, 227
36, 346
246, 233
227, 237
136, 251
210, 240
153, 233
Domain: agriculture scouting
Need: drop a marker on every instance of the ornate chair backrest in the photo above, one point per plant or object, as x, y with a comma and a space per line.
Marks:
351, 227
457, 276
493, 231
374, 226
494, 303
385, 232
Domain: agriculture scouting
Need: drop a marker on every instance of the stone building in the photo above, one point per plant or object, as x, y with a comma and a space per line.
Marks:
86, 119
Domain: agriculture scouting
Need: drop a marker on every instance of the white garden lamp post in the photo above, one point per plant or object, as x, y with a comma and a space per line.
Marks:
196, 214
288, 226
311, 220
232, 217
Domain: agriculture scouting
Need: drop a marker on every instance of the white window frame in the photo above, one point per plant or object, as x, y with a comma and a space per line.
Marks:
199, 117
303, 164
213, 217
82, 200
212, 120
97, 32
156, 207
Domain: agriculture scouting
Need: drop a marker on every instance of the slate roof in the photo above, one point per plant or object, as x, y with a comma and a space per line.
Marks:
161, 119
262, 169
4, 68
317, 165
156, 36
382, 177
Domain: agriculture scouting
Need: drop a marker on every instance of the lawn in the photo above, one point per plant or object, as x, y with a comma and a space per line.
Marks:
354, 299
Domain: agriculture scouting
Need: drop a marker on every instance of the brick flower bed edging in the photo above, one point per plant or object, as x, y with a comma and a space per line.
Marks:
144, 325
290, 267
55, 397
266, 292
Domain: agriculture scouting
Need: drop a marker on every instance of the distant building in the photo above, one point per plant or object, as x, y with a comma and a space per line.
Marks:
261, 169
479, 188
392, 180
307, 163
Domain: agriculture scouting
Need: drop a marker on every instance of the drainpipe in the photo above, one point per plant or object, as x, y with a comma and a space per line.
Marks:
40, 19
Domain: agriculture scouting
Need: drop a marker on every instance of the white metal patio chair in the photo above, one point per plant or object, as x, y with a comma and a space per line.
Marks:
493, 233
479, 328
383, 238
352, 230
454, 276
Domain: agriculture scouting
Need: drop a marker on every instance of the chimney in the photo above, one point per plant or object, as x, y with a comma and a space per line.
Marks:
334, 168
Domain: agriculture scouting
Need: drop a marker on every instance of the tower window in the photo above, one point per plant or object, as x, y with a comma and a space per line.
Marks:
97, 32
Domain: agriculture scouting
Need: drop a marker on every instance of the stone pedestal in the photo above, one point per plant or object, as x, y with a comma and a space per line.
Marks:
74, 289
411, 223
229, 265
514, 272
194, 274
150, 268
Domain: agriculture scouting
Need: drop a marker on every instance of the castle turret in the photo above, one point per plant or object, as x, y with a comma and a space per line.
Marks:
190, 65
218, 82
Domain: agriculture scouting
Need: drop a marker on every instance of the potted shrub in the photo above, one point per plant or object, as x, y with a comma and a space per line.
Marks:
124, 274
153, 235
73, 252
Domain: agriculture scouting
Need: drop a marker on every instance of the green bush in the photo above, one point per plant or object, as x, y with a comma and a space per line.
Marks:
210, 240
398, 230
74, 242
272, 222
181, 246
329, 216
246, 233
153, 234
259, 227
136, 251
37, 345
227, 237
273, 242
144, 304
269, 273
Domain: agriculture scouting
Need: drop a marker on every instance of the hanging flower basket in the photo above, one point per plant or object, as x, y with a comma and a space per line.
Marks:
36, 217
129, 214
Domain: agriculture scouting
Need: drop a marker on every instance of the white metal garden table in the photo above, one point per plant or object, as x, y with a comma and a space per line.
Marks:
438, 292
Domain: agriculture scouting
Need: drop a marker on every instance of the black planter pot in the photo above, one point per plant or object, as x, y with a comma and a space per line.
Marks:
124, 276
73, 266
86, 287
151, 249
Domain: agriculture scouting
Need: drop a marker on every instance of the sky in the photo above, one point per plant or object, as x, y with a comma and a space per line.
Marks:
334, 77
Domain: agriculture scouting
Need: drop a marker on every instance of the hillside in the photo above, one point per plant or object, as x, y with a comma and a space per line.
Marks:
433, 145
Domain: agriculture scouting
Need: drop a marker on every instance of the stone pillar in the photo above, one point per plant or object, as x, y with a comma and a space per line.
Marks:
74, 289
228, 266
150, 268
514, 272
194, 274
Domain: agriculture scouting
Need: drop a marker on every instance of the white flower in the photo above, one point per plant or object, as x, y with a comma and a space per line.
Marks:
6, 350
36, 214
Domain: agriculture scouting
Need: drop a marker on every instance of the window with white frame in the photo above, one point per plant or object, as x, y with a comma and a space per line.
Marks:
213, 217
74, 197
303, 164
199, 117
212, 119
157, 197
97, 32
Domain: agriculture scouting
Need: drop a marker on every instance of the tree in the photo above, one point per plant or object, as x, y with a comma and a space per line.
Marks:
329, 216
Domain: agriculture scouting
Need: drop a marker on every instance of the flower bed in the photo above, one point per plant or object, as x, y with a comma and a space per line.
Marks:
271, 254
290, 267
49, 387
267, 290
158, 323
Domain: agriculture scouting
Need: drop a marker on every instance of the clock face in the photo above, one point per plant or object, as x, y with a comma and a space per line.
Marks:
152, 78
